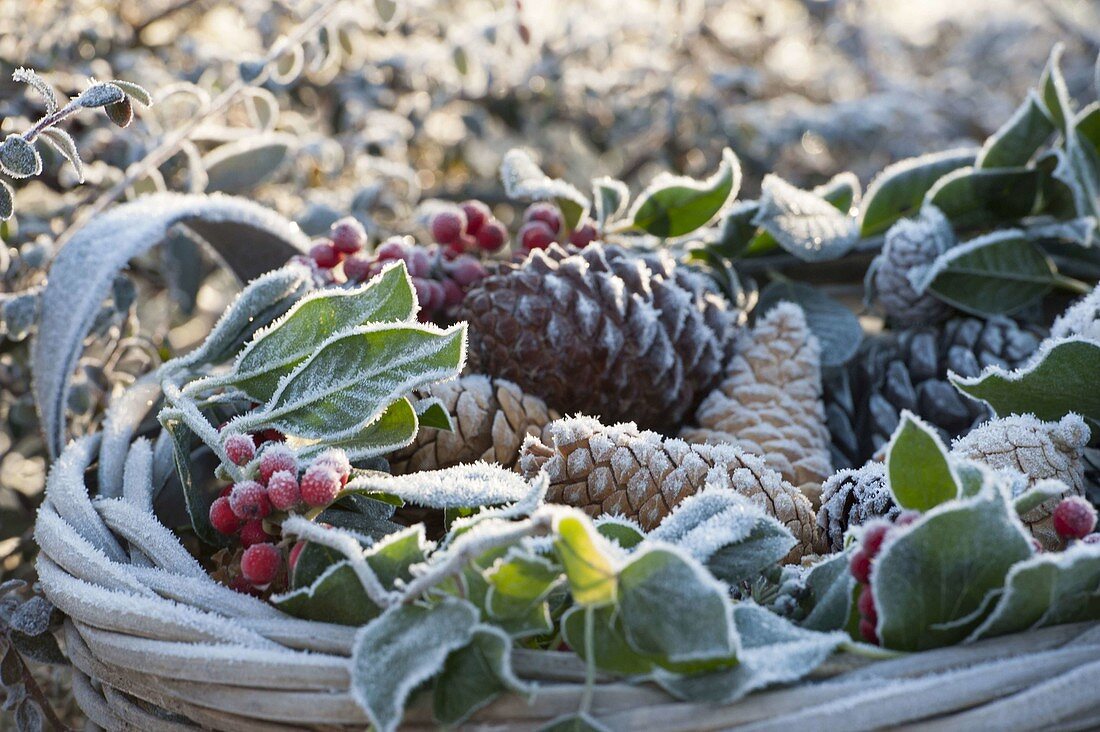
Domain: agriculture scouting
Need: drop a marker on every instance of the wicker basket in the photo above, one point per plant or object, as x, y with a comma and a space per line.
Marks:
158, 645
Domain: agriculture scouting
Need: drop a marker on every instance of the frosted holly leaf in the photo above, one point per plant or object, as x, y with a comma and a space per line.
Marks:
898, 191
733, 536
622, 530
461, 486
803, 223
1047, 589
772, 651
918, 470
675, 205
250, 238
395, 428
523, 179
1082, 318
474, 675
401, 649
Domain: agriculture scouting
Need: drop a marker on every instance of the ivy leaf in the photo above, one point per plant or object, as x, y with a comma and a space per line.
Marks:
804, 223
612, 653
19, 158
933, 580
1016, 142
1047, 589
898, 191
998, 273
277, 350
658, 588
1060, 379
917, 466
588, 565
524, 180
972, 197
518, 582
835, 325
63, 142
401, 649
354, 376
474, 675
674, 205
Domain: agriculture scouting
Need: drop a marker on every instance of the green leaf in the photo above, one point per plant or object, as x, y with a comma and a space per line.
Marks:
972, 197
658, 589
830, 589
1037, 494
835, 325
275, 351
523, 179
625, 531
63, 142
613, 654
474, 675
361, 514
773, 651
842, 191
1060, 379
7, 201
611, 198
917, 466
354, 376
431, 413
673, 206
336, 596
19, 158
241, 165
1054, 92
804, 223
134, 91
998, 273
401, 649
898, 191
518, 582
736, 230
394, 429
198, 508
588, 565
1018, 139
1047, 589
932, 580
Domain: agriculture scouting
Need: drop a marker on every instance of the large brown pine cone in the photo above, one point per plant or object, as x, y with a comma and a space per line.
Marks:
621, 470
603, 332
491, 419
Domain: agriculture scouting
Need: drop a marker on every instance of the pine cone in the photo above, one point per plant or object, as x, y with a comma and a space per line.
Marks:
1080, 319
602, 332
621, 470
908, 370
770, 401
1039, 450
491, 419
911, 245
852, 498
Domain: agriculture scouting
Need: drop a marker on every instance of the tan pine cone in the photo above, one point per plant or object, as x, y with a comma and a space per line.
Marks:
1039, 450
491, 419
770, 402
641, 475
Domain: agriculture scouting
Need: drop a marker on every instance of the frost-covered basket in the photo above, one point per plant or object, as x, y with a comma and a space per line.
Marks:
156, 644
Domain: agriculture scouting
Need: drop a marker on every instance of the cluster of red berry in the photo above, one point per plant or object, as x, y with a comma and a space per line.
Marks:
276, 485
543, 225
346, 238
1075, 519
468, 227
860, 563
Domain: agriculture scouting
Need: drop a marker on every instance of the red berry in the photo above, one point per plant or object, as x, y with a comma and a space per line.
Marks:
867, 630
860, 566
324, 255
583, 235
452, 293
491, 236
535, 235
260, 563
477, 213
283, 491
448, 225
337, 460
866, 604
226, 491
873, 536
547, 213
390, 249
417, 262
249, 500
240, 449
348, 235
320, 485
1074, 518
274, 459
222, 517
358, 269
425, 294
253, 533
466, 270
295, 551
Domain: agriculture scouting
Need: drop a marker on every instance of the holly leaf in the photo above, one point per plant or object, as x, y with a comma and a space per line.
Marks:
998, 273
934, 579
804, 223
917, 466
898, 191
1061, 378
198, 508
736, 230
674, 205
611, 198
1047, 589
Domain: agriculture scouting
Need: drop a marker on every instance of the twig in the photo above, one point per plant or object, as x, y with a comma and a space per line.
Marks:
34, 690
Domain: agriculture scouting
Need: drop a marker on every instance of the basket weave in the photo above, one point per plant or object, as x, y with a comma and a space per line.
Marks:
158, 645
